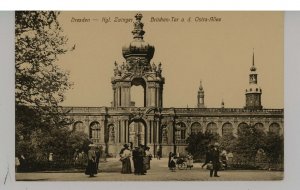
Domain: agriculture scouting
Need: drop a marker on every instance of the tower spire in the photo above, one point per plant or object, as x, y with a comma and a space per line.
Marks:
138, 53
253, 92
253, 68
253, 58
200, 87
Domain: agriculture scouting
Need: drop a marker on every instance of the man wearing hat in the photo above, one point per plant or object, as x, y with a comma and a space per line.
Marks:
140, 160
91, 167
215, 153
135, 159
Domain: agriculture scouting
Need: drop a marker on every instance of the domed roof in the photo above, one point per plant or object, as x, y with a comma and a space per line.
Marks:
138, 47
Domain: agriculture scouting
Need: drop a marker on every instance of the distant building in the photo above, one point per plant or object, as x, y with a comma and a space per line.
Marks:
154, 125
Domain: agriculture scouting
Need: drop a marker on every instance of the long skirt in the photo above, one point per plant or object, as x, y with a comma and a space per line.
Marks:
91, 168
126, 166
172, 164
147, 162
189, 163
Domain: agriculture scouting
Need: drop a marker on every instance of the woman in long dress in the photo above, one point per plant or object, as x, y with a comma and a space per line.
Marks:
125, 155
173, 162
91, 166
147, 158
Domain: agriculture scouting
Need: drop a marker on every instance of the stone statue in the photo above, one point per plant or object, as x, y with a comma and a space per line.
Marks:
123, 67
153, 67
165, 135
159, 70
111, 134
127, 67
116, 69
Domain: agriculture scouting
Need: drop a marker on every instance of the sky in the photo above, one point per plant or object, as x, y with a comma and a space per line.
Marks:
218, 53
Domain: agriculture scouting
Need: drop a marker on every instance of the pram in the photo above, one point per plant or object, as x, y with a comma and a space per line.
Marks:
181, 162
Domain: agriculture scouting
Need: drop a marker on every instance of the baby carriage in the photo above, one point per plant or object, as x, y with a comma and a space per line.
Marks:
181, 163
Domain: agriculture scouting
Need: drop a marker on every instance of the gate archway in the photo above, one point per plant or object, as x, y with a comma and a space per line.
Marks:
137, 132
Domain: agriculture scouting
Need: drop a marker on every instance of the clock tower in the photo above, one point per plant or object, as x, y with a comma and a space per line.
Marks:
253, 92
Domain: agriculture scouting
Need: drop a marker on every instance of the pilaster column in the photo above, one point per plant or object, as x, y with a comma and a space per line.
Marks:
122, 131
157, 132
127, 130
151, 94
149, 132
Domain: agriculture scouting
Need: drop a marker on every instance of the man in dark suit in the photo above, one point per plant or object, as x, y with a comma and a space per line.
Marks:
140, 160
215, 154
97, 152
135, 159
207, 155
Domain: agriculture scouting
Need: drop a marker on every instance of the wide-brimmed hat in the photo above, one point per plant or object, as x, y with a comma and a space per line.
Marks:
92, 145
126, 145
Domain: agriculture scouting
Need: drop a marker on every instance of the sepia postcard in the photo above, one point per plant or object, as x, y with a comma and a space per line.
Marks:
149, 96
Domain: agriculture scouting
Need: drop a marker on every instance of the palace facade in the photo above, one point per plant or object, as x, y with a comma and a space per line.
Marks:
154, 125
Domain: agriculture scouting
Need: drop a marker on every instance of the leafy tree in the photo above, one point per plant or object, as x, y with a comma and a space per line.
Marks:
250, 140
274, 147
199, 142
228, 142
41, 125
38, 43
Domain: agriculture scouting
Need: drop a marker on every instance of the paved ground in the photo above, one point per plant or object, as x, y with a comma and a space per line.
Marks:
110, 171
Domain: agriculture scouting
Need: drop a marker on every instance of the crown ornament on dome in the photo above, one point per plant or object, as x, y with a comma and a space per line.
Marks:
138, 31
138, 53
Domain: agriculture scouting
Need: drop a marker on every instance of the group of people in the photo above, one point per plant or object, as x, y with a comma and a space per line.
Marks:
141, 157
215, 160
80, 158
177, 159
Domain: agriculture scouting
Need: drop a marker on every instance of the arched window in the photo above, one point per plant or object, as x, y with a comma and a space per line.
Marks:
212, 127
259, 126
274, 128
242, 127
180, 132
227, 129
95, 131
78, 126
196, 128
